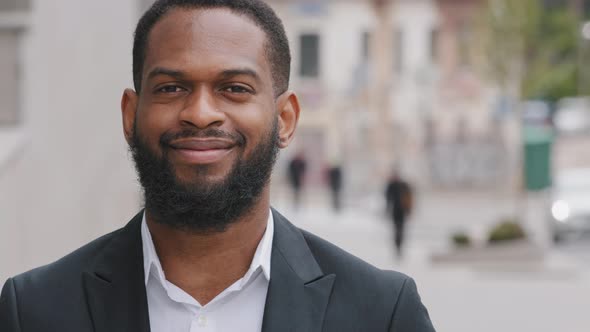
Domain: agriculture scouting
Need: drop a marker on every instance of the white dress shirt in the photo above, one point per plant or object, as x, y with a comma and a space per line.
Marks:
240, 307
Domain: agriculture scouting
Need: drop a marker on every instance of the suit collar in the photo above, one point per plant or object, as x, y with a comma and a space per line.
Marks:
152, 266
297, 298
299, 291
116, 296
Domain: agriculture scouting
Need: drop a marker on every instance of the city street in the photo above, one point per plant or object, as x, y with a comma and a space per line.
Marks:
577, 249
547, 297
483, 107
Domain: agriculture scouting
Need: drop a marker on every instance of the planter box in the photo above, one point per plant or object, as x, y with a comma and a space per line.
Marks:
511, 251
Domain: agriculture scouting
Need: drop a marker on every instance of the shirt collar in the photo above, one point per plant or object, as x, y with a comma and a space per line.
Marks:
261, 259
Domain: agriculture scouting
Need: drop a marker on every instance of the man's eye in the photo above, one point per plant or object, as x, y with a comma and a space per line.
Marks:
170, 89
236, 89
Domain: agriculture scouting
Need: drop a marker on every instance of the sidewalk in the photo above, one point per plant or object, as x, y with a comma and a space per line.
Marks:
460, 298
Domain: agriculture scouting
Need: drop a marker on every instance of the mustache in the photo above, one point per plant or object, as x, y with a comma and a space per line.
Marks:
170, 136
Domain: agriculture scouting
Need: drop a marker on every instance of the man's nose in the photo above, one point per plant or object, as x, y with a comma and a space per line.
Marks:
201, 110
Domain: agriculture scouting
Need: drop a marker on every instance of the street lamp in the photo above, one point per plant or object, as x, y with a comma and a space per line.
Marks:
586, 30
583, 41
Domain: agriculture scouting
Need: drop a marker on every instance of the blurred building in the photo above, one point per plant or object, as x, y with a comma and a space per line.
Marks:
65, 176
382, 83
394, 83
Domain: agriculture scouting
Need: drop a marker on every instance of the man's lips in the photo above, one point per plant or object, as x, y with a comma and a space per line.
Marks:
202, 151
201, 144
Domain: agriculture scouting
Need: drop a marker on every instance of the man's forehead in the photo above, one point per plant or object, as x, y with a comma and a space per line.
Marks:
207, 27
206, 31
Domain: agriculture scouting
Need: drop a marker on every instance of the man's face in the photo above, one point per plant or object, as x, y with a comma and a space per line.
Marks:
205, 113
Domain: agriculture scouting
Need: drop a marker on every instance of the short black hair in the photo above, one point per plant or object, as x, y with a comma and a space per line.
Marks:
277, 45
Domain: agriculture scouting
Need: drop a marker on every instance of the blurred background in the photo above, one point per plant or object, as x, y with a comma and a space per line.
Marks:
480, 108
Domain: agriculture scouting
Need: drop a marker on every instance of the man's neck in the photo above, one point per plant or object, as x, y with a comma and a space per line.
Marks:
203, 265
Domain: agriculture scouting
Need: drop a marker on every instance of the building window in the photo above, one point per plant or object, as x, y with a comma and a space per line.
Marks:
309, 55
14, 5
13, 21
398, 50
464, 41
586, 8
365, 45
434, 36
9, 110
310, 8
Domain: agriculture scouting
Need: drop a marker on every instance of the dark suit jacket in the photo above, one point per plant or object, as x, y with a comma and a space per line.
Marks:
314, 286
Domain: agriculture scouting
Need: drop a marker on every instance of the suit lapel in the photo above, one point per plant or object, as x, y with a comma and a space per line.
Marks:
298, 292
297, 298
115, 288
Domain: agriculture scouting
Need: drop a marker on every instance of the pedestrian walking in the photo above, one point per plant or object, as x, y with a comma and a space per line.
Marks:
296, 171
399, 198
335, 182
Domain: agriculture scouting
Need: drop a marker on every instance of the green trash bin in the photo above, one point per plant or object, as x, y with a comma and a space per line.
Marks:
537, 157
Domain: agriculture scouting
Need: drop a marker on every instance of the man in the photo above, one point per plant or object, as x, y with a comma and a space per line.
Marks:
335, 183
209, 112
398, 195
296, 172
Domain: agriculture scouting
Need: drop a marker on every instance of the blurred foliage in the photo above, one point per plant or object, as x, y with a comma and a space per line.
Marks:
530, 50
461, 239
506, 231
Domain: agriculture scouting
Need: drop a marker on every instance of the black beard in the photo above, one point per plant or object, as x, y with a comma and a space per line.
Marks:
203, 208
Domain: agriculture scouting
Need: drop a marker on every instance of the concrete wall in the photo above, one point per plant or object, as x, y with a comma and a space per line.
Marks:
70, 180
340, 27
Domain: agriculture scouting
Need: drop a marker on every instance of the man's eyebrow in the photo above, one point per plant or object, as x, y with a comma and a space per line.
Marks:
225, 74
229, 73
165, 71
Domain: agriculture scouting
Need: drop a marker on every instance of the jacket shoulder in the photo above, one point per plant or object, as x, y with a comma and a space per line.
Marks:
66, 268
333, 259
34, 296
372, 299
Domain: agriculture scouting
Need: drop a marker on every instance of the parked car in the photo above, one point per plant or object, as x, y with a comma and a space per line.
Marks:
536, 113
570, 208
572, 116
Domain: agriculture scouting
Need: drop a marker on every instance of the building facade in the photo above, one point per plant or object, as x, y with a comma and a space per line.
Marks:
394, 84
65, 175
378, 82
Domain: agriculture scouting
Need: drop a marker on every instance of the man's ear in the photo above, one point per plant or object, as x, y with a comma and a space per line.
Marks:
128, 110
288, 113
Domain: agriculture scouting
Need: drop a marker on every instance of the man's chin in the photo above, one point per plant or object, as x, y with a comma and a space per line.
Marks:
199, 181
202, 173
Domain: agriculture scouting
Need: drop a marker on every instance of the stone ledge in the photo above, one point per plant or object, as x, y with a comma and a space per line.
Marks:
516, 251
521, 260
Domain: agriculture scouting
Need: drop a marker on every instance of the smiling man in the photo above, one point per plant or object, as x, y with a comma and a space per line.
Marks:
210, 110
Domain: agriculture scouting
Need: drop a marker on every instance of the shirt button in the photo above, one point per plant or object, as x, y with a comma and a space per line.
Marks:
202, 321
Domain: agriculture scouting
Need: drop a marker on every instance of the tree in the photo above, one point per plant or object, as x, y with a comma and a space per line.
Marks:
530, 51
